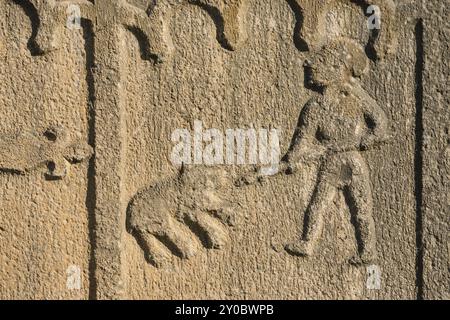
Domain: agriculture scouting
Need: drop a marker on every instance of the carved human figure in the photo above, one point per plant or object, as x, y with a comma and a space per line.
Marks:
173, 216
333, 129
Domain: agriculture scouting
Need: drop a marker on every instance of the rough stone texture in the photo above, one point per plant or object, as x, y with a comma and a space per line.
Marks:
436, 152
44, 224
87, 181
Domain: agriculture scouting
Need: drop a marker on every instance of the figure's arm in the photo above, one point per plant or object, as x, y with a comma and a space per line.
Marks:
303, 146
343, 146
375, 116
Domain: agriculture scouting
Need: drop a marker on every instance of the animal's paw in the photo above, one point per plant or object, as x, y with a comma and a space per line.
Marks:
159, 234
260, 174
210, 231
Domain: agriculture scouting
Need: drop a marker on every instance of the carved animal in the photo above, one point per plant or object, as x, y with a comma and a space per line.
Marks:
170, 217
52, 150
333, 130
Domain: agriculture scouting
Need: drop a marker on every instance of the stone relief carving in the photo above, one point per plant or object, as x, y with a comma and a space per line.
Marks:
152, 24
53, 17
333, 130
313, 25
166, 218
106, 20
52, 150
231, 30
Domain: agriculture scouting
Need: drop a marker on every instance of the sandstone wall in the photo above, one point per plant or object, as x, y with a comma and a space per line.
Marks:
93, 207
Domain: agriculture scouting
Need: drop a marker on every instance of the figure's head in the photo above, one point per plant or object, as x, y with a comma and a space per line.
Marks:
338, 61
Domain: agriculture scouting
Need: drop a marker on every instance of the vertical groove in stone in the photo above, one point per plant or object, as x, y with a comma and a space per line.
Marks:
419, 131
88, 35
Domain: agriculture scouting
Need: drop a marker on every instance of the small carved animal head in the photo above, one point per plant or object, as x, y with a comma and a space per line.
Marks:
338, 61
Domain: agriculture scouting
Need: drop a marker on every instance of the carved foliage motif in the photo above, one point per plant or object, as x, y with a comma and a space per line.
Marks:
230, 26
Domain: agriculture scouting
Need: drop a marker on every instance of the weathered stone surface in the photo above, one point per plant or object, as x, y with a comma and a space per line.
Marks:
44, 223
93, 206
436, 152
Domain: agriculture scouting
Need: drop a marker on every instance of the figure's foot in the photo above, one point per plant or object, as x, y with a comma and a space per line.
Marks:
300, 248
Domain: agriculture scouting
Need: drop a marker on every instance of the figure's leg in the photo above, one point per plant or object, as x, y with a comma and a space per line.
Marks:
359, 199
322, 197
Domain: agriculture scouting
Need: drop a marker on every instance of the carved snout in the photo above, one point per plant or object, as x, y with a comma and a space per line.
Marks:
30, 151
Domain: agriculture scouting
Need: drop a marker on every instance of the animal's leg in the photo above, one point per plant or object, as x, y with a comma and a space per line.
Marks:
155, 252
156, 230
177, 238
210, 230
